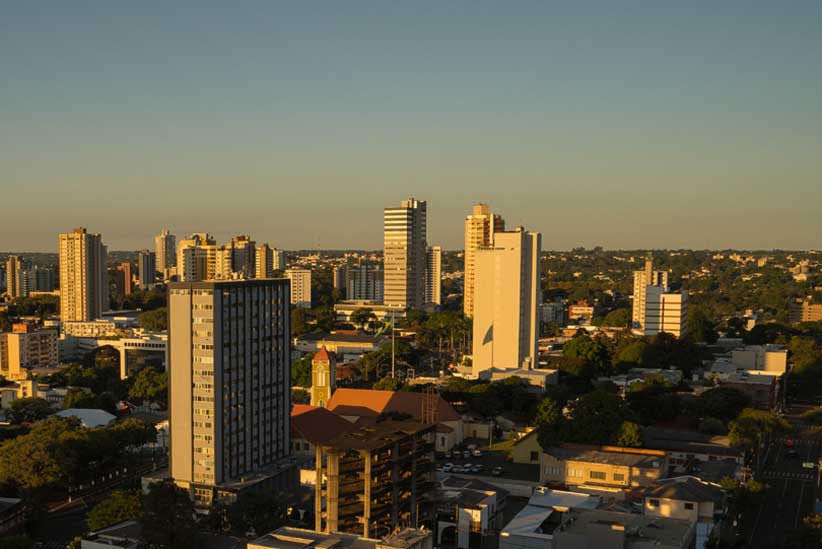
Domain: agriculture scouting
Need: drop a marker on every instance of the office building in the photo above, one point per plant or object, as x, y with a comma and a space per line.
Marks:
375, 479
323, 377
146, 269
404, 254
507, 295
264, 261
480, 228
165, 247
14, 276
300, 287
229, 387
38, 279
364, 282
433, 276
27, 347
122, 280
339, 278
243, 257
83, 276
643, 279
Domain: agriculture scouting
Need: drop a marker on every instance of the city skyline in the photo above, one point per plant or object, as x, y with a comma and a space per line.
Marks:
298, 124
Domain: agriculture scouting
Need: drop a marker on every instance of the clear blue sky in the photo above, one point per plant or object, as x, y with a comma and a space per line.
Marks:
615, 123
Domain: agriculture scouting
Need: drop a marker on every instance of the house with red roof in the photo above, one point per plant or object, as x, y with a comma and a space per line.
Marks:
364, 406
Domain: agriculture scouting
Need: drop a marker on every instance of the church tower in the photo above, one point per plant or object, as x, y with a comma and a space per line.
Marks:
323, 377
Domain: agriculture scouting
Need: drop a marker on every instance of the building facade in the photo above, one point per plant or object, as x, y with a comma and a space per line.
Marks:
146, 269
643, 279
83, 276
323, 377
405, 254
229, 384
364, 282
165, 247
506, 298
264, 261
480, 228
433, 276
14, 276
300, 287
27, 347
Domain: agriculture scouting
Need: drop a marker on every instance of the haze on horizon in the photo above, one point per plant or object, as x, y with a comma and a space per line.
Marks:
628, 125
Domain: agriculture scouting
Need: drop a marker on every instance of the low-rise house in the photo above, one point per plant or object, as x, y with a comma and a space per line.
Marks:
687, 448
89, 417
607, 470
687, 498
297, 538
538, 379
533, 527
345, 344
527, 449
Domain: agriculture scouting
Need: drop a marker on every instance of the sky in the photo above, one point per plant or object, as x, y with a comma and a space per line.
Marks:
633, 125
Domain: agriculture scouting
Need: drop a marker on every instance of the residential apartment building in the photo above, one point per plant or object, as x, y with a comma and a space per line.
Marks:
83, 276
37, 279
278, 261
364, 282
27, 347
229, 387
146, 269
14, 276
433, 276
264, 261
165, 247
197, 258
122, 280
243, 257
507, 295
643, 279
339, 278
480, 228
405, 254
300, 287
374, 479
806, 311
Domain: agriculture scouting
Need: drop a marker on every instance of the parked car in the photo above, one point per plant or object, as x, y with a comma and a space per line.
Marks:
440, 469
497, 471
448, 454
448, 467
457, 469
466, 454
476, 469
467, 467
477, 453
789, 443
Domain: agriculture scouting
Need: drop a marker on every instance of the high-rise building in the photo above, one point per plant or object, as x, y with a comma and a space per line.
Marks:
197, 258
123, 280
300, 287
243, 257
480, 228
165, 247
146, 269
27, 347
14, 276
323, 377
642, 279
364, 282
404, 254
83, 277
507, 296
38, 279
229, 386
264, 262
433, 276
339, 278
278, 262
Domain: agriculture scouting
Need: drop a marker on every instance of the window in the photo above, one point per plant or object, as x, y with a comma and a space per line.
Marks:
552, 471
534, 456
574, 472
619, 477
653, 503
689, 506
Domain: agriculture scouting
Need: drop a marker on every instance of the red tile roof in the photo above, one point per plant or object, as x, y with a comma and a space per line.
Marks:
372, 403
322, 355
317, 425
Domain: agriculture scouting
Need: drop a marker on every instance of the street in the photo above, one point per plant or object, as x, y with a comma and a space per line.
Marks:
791, 490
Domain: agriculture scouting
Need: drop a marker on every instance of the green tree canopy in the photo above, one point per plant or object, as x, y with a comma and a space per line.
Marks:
629, 435
301, 372
620, 318
362, 317
150, 384
27, 410
119, 506
550, 424
154, 321
387, 383
593, 351
699, 326
752, 426
171, 515
597, 417
724, 403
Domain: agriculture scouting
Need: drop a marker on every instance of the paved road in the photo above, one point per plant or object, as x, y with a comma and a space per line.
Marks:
791, 492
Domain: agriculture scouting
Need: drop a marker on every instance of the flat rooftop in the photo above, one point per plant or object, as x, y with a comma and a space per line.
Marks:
640, 530
298, 538
377, 435
626, 459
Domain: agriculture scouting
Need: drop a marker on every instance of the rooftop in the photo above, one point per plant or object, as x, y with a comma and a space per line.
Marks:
639, 530
317, 425
297, 538
372, 403
686, 489
376, 436
341, 337
626, 459
691, 442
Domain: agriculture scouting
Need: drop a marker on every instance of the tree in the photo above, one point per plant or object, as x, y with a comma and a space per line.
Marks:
150, 384
712, 426
363, 317
325, 318
300, 396
263, 512
298, 322
27, 410
753, 426
550, 423
596, 418
629, 353
629, 435
16, 542
813, 417
812, 530
577, 373
119, 506
652, 401
301, 372
77, 397
38, 459
724, 403
154, 321
582, 346
618, 318
171, 515
387, 383
699, 327
5, 323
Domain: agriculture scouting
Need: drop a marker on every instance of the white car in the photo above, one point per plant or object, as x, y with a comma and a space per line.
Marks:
477, 453
448, 467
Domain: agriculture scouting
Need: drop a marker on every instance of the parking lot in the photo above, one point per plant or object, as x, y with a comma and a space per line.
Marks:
493, 463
